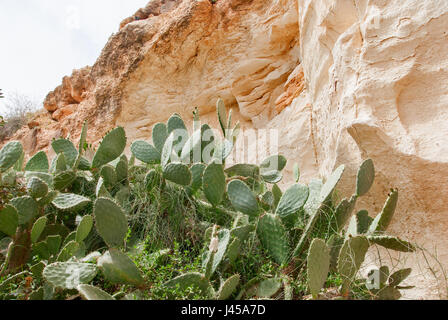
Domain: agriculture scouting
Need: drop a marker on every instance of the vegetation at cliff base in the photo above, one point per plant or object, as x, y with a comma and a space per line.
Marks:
173, 221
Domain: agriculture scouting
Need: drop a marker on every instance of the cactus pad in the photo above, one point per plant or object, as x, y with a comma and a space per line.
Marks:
9, 220
175, 122
292, 200
67, 148
92, 293
109, 176
350, 259
392, 243
223, 243
37, 188
243, 170
70, 202
383, 220
242, 233
110, 148
214, 183
68, 275
145, 152
38, 163
197, 171
228, 287
270, 169
242, 198
178, 173
159, 136
343, 212
269, 287
330, 185
119, 268
10, 154
274, 238
101, 190
84, 228
188, 280
64, 180
71, 249
313, 203
167, 151
27, 208
38, 228
318, 263
364, 180
222, 115
111, 222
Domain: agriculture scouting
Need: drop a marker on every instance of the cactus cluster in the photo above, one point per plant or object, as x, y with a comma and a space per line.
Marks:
98, 191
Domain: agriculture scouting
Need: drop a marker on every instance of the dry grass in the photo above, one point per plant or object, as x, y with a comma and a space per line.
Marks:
19, 109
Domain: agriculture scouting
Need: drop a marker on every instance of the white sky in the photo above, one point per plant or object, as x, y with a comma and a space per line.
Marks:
41, 41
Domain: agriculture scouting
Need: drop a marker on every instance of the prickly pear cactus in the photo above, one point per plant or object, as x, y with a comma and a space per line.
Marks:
274, 238
178, 173
111, 222
67, 148
37, 188
10, 154
228, 287
197, 172
92, 293
223, 239
70, 202
175, 122
119, 268
365, 178
188, 280
64, 180
110, 148
383, 220
38, 163
292, 201
343, 212
145, 152
318, 263
242, 198
329, 186
101, 190
326, 193
214, 183
38, 228
70, 250
243, 170
269, 287
222, 115
27, 208
84, 228
271, 168
159, 136
9, 220
109, 176
392, 243
351, 257
69, 275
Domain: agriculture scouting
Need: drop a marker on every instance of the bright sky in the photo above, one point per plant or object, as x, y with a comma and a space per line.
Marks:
43, 40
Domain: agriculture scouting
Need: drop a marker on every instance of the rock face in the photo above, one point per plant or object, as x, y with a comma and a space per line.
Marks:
340, 80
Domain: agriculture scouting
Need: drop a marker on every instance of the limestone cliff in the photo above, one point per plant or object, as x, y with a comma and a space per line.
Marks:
341, 80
